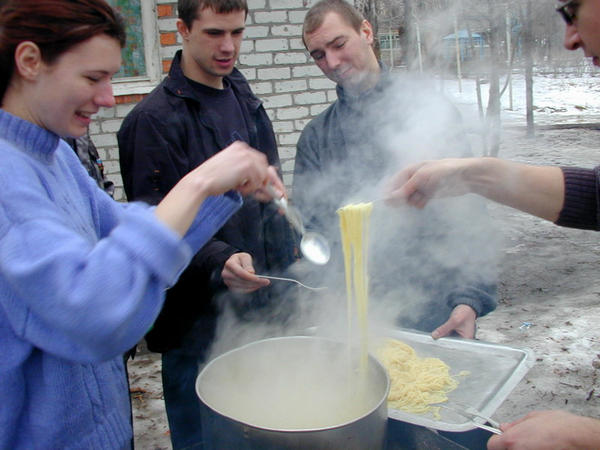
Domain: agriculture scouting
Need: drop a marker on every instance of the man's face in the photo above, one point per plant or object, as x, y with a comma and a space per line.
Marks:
343, 54
212, 45
584, 33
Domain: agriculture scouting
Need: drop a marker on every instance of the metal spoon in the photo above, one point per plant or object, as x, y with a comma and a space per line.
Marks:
471, 413
313, 245
293, 281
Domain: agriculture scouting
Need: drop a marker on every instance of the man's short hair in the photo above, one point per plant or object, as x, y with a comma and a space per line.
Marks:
189, 10
316, 14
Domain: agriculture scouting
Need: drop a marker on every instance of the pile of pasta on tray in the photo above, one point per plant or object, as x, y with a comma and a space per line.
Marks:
416, 383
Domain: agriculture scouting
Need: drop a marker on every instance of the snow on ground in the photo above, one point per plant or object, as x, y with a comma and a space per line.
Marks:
556, 98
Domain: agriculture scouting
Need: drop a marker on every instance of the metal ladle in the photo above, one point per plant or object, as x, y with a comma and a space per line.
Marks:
313, 245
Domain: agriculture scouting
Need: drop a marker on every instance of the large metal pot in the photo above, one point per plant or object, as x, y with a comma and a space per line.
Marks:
293, 393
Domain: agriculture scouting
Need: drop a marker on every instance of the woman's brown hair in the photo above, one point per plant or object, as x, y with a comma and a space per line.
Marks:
54, 26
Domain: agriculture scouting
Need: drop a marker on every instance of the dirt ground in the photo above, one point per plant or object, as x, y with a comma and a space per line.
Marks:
549, 302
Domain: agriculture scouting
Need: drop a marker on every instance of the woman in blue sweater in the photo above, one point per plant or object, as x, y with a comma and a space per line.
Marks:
82, 277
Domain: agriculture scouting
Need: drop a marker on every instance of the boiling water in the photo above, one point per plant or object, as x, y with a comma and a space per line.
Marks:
285, 386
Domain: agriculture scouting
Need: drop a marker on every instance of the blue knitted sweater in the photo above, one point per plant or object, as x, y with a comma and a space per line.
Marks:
82, 278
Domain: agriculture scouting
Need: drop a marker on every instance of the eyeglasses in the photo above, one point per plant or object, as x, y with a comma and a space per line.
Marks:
568, 11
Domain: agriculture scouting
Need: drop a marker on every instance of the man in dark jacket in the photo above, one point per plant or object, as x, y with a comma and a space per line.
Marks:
422, 268
429, 270
201, 107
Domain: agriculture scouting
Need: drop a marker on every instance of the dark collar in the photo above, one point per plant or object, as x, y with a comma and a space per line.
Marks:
179, 85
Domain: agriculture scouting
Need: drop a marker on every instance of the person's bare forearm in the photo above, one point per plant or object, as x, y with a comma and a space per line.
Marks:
537, 190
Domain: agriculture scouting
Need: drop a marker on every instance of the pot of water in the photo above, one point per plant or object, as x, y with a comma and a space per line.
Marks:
293, 393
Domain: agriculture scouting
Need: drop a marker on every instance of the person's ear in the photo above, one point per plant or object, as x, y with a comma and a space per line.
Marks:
28, 60
182, 28
366, 31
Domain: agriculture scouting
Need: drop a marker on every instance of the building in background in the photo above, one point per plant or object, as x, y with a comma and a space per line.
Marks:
470, 47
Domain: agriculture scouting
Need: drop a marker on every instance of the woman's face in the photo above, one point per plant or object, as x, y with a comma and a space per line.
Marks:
65, 94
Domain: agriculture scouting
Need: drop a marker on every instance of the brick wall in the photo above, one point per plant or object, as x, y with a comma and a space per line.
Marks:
272, 58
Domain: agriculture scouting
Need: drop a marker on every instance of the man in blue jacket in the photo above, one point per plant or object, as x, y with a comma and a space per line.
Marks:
201, 107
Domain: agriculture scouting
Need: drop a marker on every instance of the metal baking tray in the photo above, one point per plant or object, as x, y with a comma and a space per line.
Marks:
494, 371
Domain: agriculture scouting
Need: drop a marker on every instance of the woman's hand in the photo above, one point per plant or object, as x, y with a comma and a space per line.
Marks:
237, 167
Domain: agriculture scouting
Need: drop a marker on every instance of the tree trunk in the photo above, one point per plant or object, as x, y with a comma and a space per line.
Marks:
408, 36
528, 58
477, 74
493, 109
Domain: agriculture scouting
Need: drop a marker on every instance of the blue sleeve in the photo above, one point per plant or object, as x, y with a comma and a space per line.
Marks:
213, 214
89, 298
83, 300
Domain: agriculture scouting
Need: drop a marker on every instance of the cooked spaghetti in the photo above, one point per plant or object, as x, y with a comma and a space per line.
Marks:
415, 382
354, 227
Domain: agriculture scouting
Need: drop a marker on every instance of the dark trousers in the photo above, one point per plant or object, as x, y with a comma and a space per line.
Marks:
179, 372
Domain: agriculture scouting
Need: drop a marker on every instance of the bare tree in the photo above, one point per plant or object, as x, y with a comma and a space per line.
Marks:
492, 118
408, 34
528, 42
520, 36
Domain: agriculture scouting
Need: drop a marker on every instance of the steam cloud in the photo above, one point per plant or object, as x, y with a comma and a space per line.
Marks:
414, 255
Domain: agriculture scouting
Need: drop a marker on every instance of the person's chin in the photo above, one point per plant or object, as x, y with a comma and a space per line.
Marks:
78, 127
74, 132
351, 84
345, 77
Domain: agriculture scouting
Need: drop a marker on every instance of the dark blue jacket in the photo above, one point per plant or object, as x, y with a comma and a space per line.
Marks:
422, 263
163, 138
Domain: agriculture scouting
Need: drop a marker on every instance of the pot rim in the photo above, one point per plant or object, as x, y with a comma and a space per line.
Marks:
294, 430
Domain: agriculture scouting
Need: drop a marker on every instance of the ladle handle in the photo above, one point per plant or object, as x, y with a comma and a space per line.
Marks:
280, 201
291, 215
